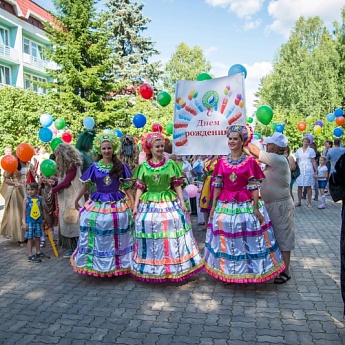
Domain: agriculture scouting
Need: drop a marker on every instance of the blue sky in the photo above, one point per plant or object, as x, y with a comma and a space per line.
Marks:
248, 32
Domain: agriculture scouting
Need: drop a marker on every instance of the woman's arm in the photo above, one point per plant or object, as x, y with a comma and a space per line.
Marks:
130, 196
67, 180
216, 193
292, 163
179, 192
313, 161
138, 195
257, 213
82, 191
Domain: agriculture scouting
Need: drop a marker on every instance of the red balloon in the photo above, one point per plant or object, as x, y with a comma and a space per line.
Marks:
146, 91
9, 163
66, 137
301, 126
25, 152
157, 127
340, 120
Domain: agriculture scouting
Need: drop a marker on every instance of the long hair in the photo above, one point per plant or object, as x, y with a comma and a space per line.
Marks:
66, 156
117, 169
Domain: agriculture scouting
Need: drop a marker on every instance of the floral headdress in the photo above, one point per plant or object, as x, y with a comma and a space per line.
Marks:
247, 132
105, 136
148, 139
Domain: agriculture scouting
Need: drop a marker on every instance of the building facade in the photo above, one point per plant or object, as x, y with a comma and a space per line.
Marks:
22, 45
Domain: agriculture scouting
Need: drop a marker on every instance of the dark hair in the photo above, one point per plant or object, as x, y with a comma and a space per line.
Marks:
33, 185
117, 169
337, 141
330, 142
52, 156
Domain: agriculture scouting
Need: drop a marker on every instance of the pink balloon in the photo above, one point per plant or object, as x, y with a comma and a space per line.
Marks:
53, 128
191, 190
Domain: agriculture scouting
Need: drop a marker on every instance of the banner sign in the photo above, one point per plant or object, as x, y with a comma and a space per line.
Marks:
203, 111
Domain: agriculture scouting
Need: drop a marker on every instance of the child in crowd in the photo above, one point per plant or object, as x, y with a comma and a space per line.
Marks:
32, 221
321, 176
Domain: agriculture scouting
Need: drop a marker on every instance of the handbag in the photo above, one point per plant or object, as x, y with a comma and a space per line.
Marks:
71, 216
336, 190
295, 173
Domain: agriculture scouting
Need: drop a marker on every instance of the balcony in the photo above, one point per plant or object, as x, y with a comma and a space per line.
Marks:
8, 53
37, 63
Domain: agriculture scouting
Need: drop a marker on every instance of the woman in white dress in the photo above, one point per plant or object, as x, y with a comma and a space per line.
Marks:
305, 157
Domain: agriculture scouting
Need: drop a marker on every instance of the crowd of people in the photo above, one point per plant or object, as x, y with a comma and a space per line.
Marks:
134, 218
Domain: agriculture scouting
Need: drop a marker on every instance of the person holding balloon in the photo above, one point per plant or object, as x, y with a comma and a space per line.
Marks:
164, 248
105, 244
68, 169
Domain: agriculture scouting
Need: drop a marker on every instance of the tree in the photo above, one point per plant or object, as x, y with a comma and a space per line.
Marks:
339, 32
185, 64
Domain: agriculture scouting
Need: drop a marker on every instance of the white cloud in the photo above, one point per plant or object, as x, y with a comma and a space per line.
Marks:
286, 12
242, 8
209, 51
251, 25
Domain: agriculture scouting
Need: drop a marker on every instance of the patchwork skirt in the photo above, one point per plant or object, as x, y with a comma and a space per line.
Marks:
105, 245
238, 249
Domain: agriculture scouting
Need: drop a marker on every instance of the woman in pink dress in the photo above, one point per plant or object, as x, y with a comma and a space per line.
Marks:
240, 245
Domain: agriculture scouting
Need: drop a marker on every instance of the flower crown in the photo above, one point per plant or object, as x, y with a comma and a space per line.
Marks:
148, 139
247, 132
104, 136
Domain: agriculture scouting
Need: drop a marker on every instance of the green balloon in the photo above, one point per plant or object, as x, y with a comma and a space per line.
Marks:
59, 123
264, 114
203, 76
55, 143
163, 98
250, 120
169, 128
274, 125
48, 167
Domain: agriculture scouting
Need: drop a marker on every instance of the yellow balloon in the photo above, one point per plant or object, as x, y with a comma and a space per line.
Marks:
309, 119
241, 104
317, 129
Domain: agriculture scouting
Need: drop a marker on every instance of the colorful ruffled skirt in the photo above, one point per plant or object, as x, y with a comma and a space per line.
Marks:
165, 248
105, 245
238, 249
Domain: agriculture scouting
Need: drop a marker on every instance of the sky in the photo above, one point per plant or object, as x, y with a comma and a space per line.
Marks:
246, 32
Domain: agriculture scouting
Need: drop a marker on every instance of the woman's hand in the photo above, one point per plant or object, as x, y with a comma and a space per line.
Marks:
134, 211
259, 216
184, 209
211, 213
76, 205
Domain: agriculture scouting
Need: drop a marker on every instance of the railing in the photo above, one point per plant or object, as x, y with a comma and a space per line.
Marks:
8, 52
38, 63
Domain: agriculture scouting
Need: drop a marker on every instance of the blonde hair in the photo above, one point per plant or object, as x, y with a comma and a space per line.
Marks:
65, 157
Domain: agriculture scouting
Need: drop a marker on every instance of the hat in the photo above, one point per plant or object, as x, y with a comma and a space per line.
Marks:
277, 139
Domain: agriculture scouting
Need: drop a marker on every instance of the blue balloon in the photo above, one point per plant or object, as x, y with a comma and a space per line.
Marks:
139, 120
88, 122
45, 134
118, 133
338, 132
46, 120
338, 112
234, 69
330, 117
280, 128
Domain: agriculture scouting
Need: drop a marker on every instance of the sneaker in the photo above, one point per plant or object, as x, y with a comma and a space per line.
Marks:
316, 199
42, 244
321, 207
68, 254
34, 258
304, 197
41, 255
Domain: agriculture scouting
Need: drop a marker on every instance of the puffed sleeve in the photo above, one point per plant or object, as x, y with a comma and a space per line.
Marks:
255, 174
89, 176
126, 178
218, 175
176, 175
138, 177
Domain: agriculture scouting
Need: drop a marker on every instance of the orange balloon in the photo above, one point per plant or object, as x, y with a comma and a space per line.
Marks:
340, 120
25, 152
301, 126
9, 163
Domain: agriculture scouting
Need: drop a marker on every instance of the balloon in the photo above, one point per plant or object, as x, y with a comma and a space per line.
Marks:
46, 120
250, 120
338, 112
55, 143
9, 163
163, 98
146, 91
274, 126
203, 76
330, 117
88, 122
118, 133
340, 120
45, 134
309, 119
258, 135
169, 128
48, 167
234, 69
338, 132
301, 126
310, 137
317, 129
264, 114
53, 128
60, 123
66, 137
191, 190
25, 152
157, 127
139, 120
319, 123
280, 128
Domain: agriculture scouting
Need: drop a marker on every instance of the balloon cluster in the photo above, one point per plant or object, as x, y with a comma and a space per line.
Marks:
338, 117
239, 101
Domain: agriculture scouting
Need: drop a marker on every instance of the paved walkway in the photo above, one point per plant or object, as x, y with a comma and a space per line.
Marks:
48, 303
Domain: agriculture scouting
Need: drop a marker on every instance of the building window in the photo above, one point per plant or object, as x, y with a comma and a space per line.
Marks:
26, 46
4, 37
34, 49
30, 82
5, 75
